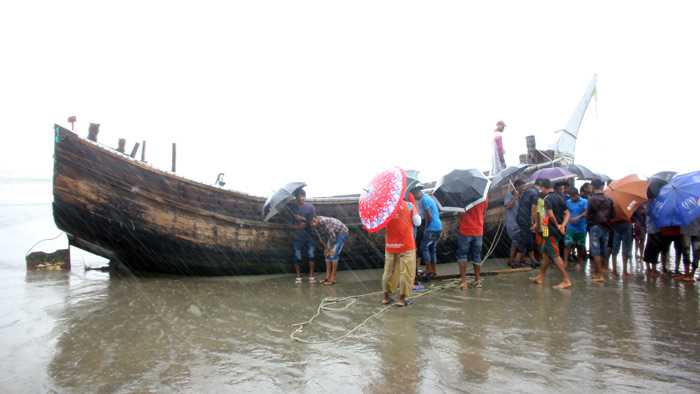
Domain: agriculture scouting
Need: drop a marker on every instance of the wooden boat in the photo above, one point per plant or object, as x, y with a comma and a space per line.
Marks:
145, 219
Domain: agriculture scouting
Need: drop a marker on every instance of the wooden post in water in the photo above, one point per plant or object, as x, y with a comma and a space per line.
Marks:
143, 152
174, 155
136, 149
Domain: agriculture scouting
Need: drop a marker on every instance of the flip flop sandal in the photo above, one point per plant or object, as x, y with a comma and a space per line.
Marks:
408, 303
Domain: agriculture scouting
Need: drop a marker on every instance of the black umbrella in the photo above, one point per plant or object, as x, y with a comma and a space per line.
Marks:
461, 189
507, 173
657, 181
411, 181
602, 177
582, 172
278, 201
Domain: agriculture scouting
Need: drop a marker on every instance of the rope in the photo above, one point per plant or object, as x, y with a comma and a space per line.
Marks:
324, 305
59, 138
48, 239
330, 300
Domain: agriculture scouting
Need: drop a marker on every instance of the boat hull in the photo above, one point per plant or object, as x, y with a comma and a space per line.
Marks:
145, 219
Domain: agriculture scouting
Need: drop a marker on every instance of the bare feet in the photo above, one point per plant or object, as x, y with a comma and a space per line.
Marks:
627, 275
387, 301
598, 278
537, 280
614, 274
577, 267
563, 285
607, 270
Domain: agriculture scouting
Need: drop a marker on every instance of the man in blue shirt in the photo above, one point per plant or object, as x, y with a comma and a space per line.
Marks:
576, 229
304, 234
433, 228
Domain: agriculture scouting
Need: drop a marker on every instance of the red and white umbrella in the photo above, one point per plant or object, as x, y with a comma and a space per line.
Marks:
381, 197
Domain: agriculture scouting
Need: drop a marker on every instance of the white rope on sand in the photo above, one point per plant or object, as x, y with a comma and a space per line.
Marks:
330, 300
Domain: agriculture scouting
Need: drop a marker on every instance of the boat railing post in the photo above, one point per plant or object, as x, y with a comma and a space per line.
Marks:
143, 152
135, 150
174, 155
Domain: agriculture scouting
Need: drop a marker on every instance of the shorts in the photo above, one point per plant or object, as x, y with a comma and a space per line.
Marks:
599, 241
539, 239
514, 234
622, 234
551, 246
469, 249
575, 238
667, 240
300, 246
337, 247
428, 246
653, 248
525, 239
691, 243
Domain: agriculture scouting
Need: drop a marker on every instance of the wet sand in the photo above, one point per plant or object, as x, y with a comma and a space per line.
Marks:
87, 331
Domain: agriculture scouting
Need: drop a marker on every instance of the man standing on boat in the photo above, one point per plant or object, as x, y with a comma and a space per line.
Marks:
498, 161
304, 235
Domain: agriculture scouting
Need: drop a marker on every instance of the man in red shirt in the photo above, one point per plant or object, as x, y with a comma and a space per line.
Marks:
469, 238
400, 253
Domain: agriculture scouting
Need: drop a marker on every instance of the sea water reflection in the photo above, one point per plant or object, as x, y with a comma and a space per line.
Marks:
174, 334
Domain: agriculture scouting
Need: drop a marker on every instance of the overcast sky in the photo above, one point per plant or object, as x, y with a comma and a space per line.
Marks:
331, 93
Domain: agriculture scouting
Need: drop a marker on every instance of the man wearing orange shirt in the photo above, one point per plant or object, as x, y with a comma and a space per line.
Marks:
400, 253
469, 237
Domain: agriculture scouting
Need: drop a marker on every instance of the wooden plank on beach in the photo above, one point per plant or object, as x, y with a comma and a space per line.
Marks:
496, 272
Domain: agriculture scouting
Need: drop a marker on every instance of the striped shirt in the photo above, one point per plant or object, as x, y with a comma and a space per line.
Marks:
329, 228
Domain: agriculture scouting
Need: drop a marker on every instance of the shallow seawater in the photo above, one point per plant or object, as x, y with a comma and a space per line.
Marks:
86, 331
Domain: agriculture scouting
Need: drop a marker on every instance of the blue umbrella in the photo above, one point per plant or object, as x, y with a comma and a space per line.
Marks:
678, 203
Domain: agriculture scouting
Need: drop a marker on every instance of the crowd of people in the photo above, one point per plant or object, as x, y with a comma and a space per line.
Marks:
550, 223
549, 219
